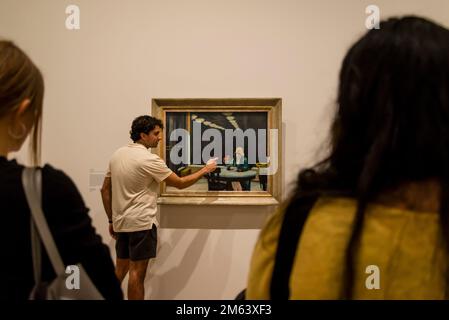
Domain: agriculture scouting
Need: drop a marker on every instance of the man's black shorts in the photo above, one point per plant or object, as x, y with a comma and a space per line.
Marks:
138, 245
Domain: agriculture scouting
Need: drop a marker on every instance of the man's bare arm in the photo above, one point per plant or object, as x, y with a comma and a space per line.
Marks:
181, 183
106, 196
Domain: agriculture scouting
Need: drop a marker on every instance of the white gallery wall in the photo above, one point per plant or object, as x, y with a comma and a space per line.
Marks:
102, 76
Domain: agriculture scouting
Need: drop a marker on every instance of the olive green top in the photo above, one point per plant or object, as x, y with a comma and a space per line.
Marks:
399, 248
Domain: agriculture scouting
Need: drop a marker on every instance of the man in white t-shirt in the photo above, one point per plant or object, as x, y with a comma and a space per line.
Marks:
129, 193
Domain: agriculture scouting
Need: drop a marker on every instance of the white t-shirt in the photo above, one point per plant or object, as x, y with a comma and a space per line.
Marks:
135, 176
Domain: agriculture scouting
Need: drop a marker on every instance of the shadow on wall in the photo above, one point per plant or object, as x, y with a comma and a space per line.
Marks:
221, 260
200, 251
214, 217
196, 250
166, 285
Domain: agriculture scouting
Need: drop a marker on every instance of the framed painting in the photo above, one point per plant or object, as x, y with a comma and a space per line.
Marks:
243, 135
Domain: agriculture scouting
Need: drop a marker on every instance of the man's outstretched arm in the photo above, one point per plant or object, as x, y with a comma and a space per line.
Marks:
181, 183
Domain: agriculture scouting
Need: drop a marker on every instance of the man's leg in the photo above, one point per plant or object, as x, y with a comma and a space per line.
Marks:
121, 269
142, 248
137, 272
122, 250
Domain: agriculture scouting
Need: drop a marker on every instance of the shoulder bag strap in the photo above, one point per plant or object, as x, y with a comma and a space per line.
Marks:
32, 184
36, 252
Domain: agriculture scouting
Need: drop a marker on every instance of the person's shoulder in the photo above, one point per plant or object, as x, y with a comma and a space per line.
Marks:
271, 229
152, 160
50, 172
335, 204
153, 156
120, 150
57, 183
124, 152
140, 153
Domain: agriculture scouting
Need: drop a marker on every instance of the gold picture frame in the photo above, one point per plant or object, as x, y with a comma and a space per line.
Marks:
271, 193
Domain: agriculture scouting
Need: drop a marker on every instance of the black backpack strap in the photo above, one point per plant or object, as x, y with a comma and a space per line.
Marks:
294, 219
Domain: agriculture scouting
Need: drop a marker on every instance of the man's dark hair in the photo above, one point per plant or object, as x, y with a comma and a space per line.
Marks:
143, 124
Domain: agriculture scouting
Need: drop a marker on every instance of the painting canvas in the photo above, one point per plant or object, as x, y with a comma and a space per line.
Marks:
239, 134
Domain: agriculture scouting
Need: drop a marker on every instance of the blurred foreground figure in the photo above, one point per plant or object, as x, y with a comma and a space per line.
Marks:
371, 221
21, 96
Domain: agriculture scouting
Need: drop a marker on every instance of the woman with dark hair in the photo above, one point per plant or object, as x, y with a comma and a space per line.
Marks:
371, 221
21, 96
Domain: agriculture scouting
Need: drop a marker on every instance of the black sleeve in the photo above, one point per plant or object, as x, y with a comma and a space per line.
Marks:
72, 229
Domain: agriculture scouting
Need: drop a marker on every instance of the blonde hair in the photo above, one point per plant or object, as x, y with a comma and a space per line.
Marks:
20, 79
